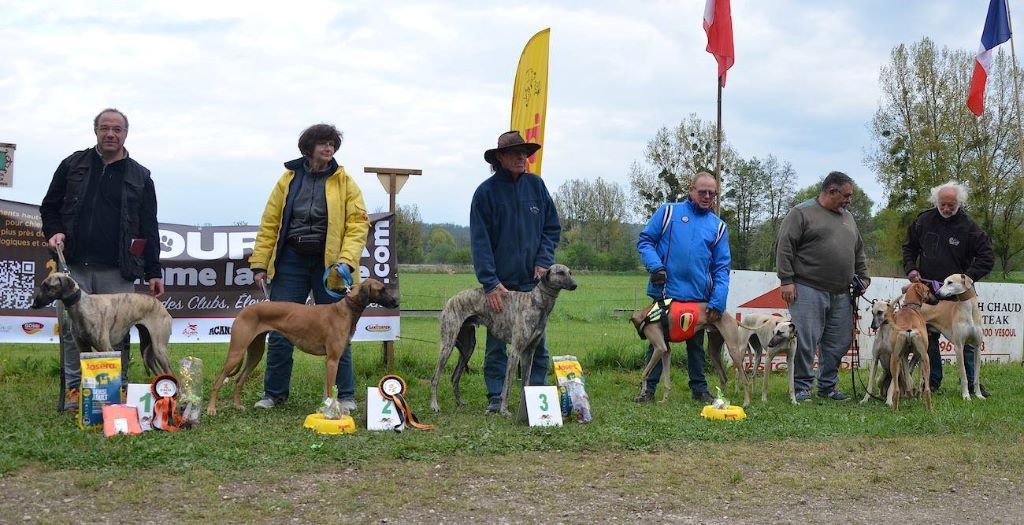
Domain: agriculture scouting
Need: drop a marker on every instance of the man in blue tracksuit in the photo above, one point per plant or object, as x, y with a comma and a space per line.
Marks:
685, 247
514, 229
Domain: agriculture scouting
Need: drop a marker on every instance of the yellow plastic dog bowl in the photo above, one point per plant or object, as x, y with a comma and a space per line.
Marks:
321, 425
729, 413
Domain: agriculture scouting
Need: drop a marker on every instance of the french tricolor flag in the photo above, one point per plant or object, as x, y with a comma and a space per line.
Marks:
718, 25
997, 31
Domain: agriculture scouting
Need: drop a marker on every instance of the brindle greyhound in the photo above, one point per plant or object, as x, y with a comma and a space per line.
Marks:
520, 323
322, 329
99, 321
909, 336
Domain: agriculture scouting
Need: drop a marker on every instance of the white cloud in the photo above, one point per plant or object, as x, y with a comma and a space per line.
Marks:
218, 92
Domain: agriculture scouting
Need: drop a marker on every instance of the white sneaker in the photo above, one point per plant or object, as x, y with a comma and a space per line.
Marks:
266, 403
348, 404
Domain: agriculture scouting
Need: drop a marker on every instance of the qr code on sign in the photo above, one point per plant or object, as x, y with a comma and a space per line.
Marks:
17, 283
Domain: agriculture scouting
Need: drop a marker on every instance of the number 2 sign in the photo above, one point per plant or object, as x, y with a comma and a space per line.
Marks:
381, 413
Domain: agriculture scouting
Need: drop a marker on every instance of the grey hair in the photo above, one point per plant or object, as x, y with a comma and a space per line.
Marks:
835, 179
961, 193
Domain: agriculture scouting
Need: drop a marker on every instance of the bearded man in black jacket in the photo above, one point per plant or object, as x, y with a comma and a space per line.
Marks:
943, 241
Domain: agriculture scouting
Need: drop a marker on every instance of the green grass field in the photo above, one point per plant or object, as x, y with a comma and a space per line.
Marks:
238, 446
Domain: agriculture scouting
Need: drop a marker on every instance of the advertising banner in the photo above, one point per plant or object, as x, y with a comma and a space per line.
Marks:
530, 95
205, 271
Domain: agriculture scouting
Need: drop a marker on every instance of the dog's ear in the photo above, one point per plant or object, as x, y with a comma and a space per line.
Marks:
363, 293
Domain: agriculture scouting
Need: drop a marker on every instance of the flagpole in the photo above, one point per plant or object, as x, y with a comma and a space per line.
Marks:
1016, 90
718, 150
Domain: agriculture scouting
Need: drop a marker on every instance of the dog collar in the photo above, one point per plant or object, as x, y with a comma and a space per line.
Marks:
544, 290
72, 299
356, 306
912, 306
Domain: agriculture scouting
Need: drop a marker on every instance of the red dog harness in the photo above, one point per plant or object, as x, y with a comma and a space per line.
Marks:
678, 319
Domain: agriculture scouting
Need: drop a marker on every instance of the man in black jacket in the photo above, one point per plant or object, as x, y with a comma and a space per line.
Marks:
101, 210
943, 241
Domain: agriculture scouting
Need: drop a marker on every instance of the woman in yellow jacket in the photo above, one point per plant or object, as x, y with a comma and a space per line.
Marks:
315, 218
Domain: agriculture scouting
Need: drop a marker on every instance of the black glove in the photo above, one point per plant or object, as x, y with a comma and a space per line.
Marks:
659, 277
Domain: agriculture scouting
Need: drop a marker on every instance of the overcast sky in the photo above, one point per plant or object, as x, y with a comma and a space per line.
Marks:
217, 92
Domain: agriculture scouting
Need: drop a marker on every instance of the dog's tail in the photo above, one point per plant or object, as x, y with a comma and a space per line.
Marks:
154, 360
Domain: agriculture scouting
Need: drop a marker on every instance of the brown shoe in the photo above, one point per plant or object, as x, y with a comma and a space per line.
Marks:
71, 400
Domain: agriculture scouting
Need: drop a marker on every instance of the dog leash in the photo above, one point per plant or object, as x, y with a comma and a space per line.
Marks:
64, 320
346, 278
392, 388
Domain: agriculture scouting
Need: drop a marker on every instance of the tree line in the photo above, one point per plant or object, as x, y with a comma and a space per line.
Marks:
922, 135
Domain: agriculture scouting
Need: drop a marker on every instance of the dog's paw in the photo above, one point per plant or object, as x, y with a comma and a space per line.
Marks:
211, 410
166, 243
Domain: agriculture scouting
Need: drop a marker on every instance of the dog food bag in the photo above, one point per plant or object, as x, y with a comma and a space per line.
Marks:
580, 400
101, 386
191, 398
567, 368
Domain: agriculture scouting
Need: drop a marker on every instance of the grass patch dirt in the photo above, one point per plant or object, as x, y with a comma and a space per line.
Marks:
653, 462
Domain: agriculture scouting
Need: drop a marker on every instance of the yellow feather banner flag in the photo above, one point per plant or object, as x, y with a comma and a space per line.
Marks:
530, 95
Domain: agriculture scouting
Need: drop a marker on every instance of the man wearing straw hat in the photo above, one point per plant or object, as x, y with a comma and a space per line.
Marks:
514, 230
100, 209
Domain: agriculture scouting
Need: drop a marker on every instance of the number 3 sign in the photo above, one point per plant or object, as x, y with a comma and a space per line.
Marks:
542, 405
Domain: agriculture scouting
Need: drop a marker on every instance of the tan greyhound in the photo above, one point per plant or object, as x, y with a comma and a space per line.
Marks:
724, 330
909, 338
322, 329
958, 319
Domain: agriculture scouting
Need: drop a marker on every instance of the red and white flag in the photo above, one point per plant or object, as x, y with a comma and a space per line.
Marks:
996, 31
718, 25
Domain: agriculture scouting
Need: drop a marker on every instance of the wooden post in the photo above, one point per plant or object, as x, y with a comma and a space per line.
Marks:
392, 179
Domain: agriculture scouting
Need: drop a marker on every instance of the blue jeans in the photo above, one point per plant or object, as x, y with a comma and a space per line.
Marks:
824, 320
496, 361
295, 277
935, 359
695, 359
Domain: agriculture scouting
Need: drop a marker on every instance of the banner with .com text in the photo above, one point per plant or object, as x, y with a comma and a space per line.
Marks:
206, 274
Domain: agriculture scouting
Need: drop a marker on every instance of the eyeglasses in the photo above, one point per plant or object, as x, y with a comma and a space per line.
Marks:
116, 129
706, 193
845, 195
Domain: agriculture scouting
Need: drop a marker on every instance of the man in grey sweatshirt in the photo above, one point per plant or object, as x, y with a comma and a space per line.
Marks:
819, 252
